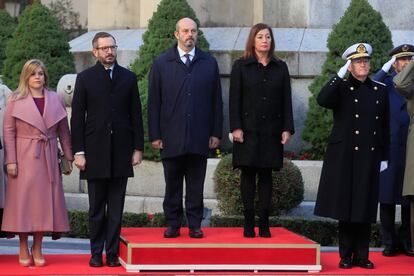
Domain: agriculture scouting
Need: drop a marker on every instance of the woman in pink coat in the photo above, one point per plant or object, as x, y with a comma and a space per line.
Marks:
33, 120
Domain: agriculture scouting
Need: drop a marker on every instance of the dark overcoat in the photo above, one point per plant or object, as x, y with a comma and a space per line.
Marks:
185, 105
391, 179
260, 105
349, 183
106, 121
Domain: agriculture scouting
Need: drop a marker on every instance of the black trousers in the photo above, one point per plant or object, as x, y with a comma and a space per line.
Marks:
248, 187
106, 205
192, 168
389, 236
354, 240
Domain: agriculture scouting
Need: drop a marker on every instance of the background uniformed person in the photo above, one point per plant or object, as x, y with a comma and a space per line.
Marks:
348, 188
404, 83
391, 178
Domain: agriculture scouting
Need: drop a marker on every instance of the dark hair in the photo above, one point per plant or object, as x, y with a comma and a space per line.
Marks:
249, 50
101, 35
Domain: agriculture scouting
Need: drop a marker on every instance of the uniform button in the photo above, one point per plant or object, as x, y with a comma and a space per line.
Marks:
356, 100
376, 117
263, 117
352, 88
356, 131
375, 132
372, 149
264, 98
188, 115
264, 80
189, 94
377, 102
356, 115
356, 148
375, 88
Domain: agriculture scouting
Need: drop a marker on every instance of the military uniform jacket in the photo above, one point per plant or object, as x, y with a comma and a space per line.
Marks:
391, 179
260, 105
404, 83
348, 187
106, 121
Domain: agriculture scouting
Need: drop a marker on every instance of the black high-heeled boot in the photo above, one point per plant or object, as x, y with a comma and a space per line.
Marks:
264, 230
249, 224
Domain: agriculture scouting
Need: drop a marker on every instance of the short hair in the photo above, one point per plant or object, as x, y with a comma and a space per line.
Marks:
249, 50
101, 35
28, 68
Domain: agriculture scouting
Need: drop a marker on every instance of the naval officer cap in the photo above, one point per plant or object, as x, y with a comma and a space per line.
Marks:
404, 50
357, 50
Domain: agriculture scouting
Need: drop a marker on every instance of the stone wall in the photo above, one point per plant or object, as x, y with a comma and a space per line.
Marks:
121, 14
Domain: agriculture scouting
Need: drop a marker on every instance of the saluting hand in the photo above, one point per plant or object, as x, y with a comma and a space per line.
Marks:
80, 161
12, 169
344, 69
387, 66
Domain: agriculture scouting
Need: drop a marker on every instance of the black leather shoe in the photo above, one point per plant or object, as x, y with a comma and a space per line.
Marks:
96, 260
264, 232
388, 251
364, 263
345, 263
196, 233
248, 232
112, 261
172, 232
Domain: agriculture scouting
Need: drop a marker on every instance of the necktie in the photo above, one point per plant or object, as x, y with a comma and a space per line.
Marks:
187, 61
109, 72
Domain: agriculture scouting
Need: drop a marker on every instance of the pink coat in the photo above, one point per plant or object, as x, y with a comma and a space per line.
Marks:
35, 199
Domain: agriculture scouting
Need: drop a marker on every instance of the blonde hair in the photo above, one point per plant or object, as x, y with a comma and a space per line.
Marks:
28, 69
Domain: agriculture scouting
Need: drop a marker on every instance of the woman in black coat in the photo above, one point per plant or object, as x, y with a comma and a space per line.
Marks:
261, 122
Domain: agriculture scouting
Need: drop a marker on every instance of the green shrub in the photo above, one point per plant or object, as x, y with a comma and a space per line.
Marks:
157, 39
38, 35
360, 23
7, 27
287, 187
322, 231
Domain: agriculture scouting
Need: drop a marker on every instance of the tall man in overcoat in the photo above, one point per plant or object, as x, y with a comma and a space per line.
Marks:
107, 138
185, 120
359, 141
391, 178
404, 83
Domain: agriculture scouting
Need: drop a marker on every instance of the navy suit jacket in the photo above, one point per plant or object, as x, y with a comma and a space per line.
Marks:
184, 104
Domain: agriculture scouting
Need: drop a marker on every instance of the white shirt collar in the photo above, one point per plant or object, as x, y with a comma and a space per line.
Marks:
182, 53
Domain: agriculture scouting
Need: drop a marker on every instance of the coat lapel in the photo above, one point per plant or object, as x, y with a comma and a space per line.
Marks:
54, 109
26, 110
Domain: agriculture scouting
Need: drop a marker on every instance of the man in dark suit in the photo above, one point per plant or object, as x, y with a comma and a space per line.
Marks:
107, 138
185, 120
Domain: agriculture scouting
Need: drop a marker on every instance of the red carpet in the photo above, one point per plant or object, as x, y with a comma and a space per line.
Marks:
78, 265
221, 248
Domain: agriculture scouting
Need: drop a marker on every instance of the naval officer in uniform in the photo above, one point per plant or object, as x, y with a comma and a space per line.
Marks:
359, 141
391, 179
